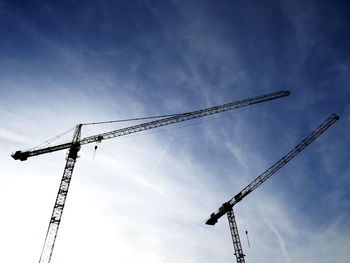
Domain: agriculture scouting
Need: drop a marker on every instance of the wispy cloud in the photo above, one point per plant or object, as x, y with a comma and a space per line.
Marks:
146, 197
13, 136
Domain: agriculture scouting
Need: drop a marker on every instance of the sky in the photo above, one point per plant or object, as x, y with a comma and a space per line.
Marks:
145, 197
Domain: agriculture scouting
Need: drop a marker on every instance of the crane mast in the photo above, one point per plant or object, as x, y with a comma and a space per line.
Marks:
227, 207
76, 143
237, 246
61, 198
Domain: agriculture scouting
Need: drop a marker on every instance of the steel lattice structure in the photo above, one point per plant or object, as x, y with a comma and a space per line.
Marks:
76, 143
227, 206
235, 236
61, 198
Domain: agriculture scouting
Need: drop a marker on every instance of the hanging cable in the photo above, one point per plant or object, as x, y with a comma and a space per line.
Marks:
47, 142
246, 232
99, 139
93, 157
146, 118
135, 119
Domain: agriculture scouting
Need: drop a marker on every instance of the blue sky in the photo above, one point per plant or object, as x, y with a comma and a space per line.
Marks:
146, 197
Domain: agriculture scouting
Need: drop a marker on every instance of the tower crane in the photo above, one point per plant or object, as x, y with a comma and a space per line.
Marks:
227, 207
75, 145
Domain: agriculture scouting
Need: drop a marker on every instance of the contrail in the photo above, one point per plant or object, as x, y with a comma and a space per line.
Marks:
161, 156
145, 182
278, 235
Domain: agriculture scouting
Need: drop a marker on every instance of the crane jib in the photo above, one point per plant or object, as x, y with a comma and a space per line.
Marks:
212, 220
24, 155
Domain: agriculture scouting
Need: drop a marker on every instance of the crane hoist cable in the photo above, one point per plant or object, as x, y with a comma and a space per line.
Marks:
134, 119
139, 118
246, 233
55, 138
76, 143
51, 140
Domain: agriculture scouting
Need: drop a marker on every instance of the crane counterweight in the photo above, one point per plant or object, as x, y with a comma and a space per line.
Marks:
19, 155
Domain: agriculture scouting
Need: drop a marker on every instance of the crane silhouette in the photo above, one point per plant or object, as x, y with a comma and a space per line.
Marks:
75, 145
227, 207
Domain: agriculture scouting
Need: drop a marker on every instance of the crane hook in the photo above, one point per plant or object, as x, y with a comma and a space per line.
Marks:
246, 232
99, 139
